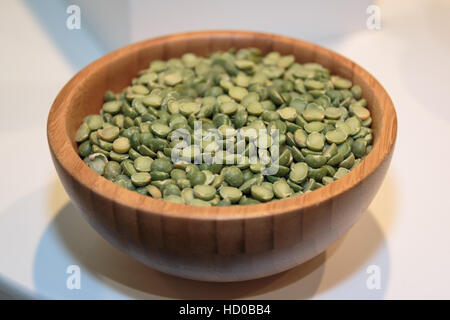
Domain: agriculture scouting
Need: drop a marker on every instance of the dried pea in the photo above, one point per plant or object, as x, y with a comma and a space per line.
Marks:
323, 125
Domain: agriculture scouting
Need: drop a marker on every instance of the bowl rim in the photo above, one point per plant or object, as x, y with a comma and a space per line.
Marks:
63, 152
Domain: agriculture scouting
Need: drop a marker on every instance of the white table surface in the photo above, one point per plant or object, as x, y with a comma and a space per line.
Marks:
405, 231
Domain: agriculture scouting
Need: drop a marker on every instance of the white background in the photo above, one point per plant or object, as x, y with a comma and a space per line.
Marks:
405, 231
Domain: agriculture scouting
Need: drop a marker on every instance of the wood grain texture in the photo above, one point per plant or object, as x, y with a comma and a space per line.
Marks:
216, 243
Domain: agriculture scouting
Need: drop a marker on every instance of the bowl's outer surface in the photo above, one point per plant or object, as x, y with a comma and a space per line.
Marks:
217, 243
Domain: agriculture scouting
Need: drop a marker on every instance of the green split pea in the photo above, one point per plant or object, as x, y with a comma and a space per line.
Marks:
323, 121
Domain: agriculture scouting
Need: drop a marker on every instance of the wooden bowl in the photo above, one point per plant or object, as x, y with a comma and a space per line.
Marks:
215, 243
